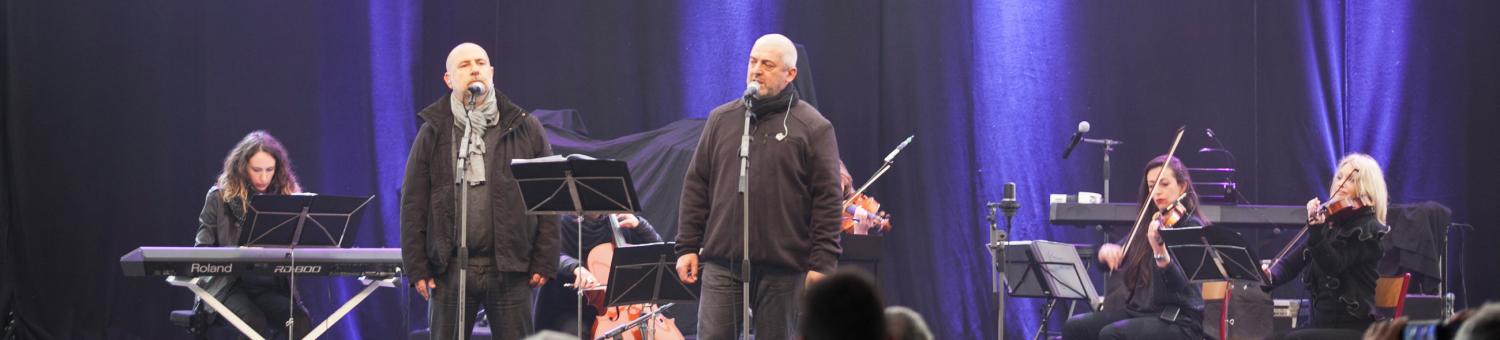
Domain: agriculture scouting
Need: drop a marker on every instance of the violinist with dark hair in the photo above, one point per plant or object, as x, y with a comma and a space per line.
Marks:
1148, 296
1339, 257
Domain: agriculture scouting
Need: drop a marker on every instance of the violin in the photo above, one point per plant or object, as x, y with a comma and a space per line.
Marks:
1173, 214
1118, 292
862, 214
1337, 207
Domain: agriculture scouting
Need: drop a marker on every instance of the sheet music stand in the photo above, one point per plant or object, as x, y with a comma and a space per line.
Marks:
1049, 270
646, 274
282, 220
1212, 254
575, 185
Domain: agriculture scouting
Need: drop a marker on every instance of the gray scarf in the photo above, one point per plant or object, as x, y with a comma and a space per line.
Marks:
483, 117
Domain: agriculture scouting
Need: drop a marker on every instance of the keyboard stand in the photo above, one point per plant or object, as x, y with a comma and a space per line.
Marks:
370, 286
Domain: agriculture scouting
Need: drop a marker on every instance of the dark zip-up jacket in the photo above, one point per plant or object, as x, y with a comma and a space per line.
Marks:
429, 196
794, 190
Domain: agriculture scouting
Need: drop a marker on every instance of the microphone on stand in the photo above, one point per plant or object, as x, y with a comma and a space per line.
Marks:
475, 89
1008, 204
1083, 127
750, 91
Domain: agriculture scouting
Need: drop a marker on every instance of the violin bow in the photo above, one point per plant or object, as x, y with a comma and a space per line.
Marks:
1159, 175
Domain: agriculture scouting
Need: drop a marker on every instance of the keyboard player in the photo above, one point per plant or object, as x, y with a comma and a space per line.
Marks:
257, 165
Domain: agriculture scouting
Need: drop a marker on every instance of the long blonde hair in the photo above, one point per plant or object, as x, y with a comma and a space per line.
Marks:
234, 181
1368, 184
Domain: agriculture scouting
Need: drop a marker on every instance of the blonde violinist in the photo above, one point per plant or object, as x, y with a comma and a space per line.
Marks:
1337, 263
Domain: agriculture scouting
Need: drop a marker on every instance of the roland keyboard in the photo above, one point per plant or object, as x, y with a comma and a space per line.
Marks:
1125, 214
200, 261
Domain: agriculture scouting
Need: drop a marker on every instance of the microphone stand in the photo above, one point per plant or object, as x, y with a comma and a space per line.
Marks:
997, 247
463, 220
998, 237
1109, 145
744, 190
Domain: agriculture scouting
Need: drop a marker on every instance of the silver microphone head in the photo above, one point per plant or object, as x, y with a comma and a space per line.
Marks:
475, 88
752, 89
1083, 127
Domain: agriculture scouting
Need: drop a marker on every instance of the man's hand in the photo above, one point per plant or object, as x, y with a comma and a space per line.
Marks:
627, 221
425, 288
687, 268
583, 279
1111, 254
814, 276
537, 280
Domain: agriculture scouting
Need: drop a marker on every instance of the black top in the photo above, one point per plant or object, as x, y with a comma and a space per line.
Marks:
1339, 263
1169, 293
596, 232
794, 190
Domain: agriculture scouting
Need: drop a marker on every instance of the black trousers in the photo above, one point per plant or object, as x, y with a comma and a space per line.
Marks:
1122, 325
556, 309
506, 298
775, 296
1352, 331
265, 307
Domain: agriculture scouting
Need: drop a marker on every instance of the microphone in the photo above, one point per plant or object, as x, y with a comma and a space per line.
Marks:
893, 154
475, 88
751, 90
1210, 133
1008, 203
1083, 127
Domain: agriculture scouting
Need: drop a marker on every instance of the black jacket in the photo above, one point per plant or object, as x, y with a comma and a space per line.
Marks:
1169, 293
794, 190
429, 196
219, 225
1339, 267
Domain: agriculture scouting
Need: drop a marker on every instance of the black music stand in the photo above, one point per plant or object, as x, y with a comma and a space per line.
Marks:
1212, 254
646, 274
281, 220
1049, 270
576, 184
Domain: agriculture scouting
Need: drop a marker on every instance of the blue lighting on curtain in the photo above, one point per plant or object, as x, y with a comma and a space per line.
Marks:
1401, 99
714, 44
1024, 109
393, 47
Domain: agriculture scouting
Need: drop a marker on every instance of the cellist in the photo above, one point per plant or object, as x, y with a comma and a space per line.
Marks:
556, 307
1148, 296
1338, 260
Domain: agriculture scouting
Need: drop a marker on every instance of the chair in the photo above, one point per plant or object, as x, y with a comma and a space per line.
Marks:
1236, 311
1217, 291
1390, 293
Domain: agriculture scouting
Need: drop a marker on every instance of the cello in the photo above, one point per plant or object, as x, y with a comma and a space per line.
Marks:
599, 259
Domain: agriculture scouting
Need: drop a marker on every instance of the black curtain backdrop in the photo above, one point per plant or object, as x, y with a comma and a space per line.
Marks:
117, 115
